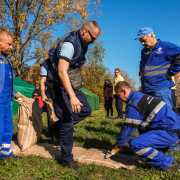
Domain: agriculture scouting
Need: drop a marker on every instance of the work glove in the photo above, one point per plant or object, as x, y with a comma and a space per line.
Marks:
114, 151
19, 100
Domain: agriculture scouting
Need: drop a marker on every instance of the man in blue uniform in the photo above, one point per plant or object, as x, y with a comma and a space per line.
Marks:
158, 125
6, 93
159, 62
45, 67
71, 105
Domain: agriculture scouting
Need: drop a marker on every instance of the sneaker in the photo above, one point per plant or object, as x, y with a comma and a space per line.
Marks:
175, 166
71, 164
106, 116
111, 117
118, 117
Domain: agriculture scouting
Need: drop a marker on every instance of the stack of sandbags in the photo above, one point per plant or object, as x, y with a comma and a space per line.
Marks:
50, 112
29, 122
87, 156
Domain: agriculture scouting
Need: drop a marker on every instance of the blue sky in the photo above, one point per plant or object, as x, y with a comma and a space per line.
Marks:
122, 19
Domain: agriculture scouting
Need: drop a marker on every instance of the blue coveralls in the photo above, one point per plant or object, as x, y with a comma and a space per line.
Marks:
163, 57
6, 121
155, 130
62, 105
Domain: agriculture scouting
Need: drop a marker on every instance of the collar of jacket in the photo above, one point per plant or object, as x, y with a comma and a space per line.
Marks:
130, 96
156, 47
83, 43
7, 57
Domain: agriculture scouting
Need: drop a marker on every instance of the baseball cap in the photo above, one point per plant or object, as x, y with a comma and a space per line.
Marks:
144, 31
51, 52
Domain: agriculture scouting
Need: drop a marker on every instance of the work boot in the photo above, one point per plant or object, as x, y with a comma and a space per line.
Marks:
71, 164
118, 117
54, 129
175, 166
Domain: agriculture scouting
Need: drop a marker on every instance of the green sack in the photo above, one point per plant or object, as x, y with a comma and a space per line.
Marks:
76, 78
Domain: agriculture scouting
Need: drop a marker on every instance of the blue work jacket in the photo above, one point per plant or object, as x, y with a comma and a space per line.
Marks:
162, 117
164, 57
2, 76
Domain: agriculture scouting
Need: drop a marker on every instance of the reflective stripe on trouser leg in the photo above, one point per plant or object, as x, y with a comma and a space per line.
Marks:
146, 146
7, 133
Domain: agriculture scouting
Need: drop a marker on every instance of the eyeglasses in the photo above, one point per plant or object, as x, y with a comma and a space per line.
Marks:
93, 38
117, 72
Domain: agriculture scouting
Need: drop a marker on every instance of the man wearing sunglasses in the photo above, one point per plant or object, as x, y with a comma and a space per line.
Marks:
71, 106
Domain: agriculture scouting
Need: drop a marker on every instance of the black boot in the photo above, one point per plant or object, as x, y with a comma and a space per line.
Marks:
54, 129
71, 164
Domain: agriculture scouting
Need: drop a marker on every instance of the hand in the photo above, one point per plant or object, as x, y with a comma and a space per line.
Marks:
75, 104
19, 100
44, 98
167, 75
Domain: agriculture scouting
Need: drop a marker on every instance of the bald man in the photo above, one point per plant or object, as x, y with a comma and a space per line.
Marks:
70, 104
6, 93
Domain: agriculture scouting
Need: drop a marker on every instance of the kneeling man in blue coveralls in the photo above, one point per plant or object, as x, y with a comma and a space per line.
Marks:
71, 106
6, 93
158, 125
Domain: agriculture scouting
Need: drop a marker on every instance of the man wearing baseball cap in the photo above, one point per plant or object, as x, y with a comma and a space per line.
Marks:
159, 62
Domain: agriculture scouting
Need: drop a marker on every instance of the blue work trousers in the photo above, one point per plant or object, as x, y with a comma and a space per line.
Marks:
119, 106
165, 95
68, 119
147, 144
110, 106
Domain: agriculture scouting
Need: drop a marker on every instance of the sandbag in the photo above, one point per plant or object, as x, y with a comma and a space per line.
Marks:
15, 148
29, 122
50, 112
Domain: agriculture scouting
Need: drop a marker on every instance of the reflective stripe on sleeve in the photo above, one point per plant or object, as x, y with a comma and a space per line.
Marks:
133, 121
153, 113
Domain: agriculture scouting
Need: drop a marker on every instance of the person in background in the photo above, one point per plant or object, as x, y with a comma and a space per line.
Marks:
108, 96
7, 91
173, 96
118, 102
45, 67
37, 97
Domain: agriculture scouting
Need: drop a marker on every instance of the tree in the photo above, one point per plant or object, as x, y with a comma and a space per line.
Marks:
32, 22
129, 80
94, 70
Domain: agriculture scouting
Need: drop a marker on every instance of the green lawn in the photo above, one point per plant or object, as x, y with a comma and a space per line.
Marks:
94, 132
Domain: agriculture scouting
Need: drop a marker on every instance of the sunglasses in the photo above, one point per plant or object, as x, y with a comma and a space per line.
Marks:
93, 38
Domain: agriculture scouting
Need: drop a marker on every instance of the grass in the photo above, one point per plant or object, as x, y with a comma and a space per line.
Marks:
94, 132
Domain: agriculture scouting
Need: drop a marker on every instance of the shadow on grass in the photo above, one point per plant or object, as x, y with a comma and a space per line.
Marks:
103, 129
96, 143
